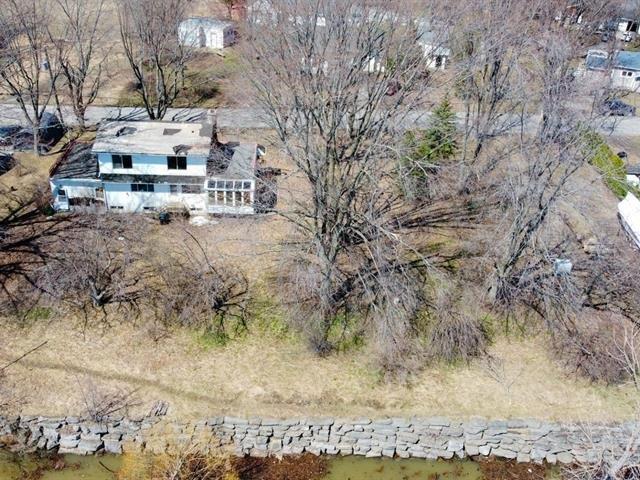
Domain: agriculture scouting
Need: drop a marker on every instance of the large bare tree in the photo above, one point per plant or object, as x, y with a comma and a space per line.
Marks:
158, 60
336, 80
27, 72
79, 52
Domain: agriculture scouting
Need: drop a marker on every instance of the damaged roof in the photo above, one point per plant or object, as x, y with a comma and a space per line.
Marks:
77, 161
153, 138
233, 160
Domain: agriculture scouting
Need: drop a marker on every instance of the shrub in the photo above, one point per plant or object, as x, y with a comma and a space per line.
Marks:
602, 348
454, 334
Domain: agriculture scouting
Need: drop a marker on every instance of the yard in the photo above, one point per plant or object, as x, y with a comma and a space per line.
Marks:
269, 370
270, 374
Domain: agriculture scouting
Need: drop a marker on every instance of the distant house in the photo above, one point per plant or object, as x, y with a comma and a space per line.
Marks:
627, 22
629, 214
154, 165
633, 175
435, 46
623, 67
206, 32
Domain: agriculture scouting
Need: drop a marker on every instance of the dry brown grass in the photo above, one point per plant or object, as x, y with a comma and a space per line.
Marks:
263, 375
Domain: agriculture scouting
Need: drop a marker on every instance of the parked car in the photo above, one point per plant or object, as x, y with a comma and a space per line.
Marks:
7, 162
7, 135
616, 107
21, 138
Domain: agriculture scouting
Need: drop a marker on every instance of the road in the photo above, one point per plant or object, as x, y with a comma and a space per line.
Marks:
249, 118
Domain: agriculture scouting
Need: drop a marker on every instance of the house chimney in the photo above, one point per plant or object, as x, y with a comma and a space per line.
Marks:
212, 121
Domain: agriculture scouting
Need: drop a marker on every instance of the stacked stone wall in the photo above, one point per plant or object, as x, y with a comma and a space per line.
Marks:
428, 438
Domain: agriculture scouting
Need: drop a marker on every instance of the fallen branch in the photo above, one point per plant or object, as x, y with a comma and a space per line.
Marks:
23, 355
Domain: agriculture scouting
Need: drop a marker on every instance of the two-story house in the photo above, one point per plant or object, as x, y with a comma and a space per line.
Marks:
146, 166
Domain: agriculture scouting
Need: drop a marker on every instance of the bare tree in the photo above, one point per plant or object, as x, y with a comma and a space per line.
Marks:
336, 80
27, 72
101, 403
26, 235
489, 52
550, 158
191, 289
157, 57
78, 52
95, 268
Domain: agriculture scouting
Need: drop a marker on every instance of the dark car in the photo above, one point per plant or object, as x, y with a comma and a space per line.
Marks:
21, 138
51, 131
7, 162
8, 134
617, 108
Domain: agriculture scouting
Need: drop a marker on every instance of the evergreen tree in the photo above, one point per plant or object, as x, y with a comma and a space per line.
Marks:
428, 149
440, 139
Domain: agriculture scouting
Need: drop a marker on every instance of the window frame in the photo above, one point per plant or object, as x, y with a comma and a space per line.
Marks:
120, 161
143, 188
231, 192
176, 162
190, 187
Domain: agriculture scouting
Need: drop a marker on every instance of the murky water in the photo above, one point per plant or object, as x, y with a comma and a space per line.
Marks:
359, 468
20, 467
14, 467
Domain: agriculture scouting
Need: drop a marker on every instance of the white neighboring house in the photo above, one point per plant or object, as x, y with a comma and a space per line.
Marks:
436, 49
206, 32
146, 166
629, 213
623, 67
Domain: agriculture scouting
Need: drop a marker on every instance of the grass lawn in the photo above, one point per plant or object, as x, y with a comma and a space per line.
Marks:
263, 374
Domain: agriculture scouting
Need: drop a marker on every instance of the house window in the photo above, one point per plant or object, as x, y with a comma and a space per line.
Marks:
142, 187
230, 192
191, 188
62, 193
177, 163
174, 189
121, 161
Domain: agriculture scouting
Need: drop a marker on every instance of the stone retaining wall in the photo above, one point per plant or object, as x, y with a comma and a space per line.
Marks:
430, 438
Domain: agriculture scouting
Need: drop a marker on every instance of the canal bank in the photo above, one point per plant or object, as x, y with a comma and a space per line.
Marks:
407, 438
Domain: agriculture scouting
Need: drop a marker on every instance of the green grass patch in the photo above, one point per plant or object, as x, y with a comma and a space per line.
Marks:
608, 163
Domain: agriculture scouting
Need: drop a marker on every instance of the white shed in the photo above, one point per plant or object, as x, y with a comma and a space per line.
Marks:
206, 32
629, 212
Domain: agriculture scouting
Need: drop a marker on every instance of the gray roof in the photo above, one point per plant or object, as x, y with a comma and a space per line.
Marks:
628, 60
633, 170
597, 61
153, 137
77, 161
233, 160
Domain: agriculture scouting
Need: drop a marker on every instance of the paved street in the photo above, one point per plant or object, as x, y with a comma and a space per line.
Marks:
248, 118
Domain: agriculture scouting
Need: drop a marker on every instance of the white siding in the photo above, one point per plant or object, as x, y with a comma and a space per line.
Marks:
153, 165
622, 79
120, 195
193, 34
73, 188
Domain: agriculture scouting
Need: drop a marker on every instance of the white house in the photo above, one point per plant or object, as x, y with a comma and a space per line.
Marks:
146, 166
435, 46
206, 32
629, 213
622, 67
